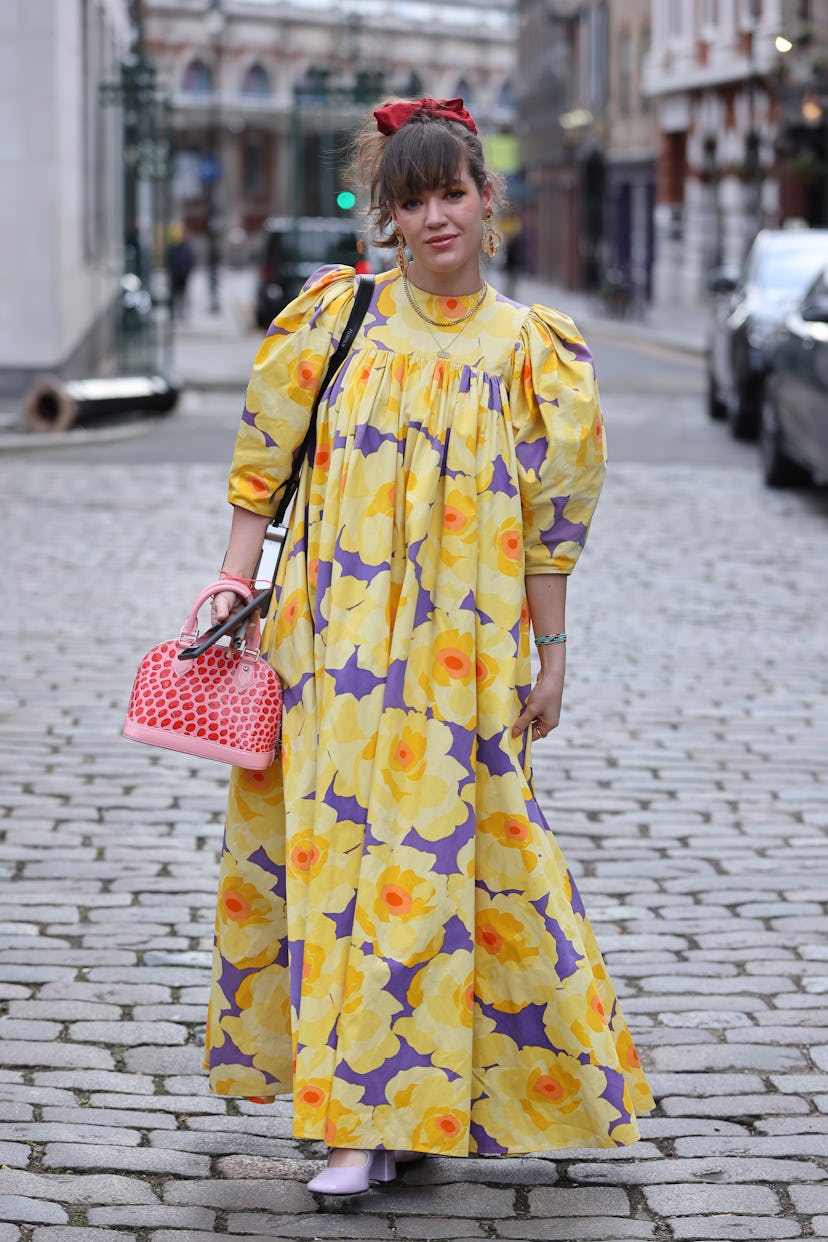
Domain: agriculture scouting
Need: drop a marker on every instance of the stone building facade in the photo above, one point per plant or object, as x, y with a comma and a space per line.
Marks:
588, 140
630, 151
267, 95
736, 85
61, 208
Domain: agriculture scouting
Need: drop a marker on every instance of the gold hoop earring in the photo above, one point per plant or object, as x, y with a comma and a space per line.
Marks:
402, 257
491, 238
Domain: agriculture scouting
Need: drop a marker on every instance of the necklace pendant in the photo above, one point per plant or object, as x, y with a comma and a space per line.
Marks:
442, 353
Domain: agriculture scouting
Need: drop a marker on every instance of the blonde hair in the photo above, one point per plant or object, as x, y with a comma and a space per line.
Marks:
426, 153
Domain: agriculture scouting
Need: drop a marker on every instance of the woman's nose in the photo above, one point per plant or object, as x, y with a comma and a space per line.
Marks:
435, 213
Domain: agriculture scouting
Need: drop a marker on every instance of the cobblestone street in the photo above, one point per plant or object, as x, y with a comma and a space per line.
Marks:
687, 786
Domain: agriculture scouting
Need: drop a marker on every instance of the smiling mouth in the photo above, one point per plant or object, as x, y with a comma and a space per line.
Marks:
438, 241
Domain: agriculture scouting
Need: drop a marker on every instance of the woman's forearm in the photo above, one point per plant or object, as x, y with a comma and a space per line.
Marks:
247, 533
546, 597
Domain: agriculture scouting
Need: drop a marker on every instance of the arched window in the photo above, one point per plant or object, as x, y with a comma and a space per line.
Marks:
507, 95
256, 81
463, 90
198, 78
314, 85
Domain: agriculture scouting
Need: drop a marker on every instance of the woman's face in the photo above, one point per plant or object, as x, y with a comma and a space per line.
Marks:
442, 229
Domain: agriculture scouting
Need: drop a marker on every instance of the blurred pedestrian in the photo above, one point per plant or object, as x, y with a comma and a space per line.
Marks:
180, 263
362, 267
399, 942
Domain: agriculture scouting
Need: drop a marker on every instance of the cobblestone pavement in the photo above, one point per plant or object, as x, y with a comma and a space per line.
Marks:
688, 788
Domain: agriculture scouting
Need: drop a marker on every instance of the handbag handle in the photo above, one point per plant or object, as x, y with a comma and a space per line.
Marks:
362, 300
189, 630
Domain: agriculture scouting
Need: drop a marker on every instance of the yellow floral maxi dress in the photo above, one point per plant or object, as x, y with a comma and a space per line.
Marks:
399, 942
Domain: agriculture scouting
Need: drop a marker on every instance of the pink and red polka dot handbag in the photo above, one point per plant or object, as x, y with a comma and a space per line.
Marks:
225, 704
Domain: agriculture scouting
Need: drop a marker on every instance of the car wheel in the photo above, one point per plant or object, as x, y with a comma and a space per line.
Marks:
778, 469
743, 414
716, 408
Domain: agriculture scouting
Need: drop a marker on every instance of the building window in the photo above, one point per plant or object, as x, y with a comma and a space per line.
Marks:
675, 14
256, 81
644, 44
625, 69
711, 14
253, 168
198, 79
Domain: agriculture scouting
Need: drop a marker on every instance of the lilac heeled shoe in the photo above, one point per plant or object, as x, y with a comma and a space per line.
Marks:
355, 1179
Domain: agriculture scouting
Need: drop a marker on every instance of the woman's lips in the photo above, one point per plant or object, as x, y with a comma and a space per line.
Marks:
440, 243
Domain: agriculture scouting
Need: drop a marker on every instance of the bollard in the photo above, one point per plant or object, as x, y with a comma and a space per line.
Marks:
52, 404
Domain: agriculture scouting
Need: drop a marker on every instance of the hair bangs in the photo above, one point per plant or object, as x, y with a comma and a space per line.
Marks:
424, 158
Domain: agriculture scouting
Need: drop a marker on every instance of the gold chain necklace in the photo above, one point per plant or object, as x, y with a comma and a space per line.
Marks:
439, 323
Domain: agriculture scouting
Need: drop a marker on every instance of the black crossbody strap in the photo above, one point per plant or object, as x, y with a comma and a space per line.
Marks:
234, 623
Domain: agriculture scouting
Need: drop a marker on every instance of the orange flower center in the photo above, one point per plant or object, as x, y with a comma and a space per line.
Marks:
235, 905
397, 899
489, 938
549, 1087
448, 1124
311, 1096
510, 543
454, 662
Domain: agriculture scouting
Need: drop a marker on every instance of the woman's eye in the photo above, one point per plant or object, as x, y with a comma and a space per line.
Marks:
410, 204
456, 193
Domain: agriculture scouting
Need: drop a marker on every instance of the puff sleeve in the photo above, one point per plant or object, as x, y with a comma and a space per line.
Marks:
286, 375
559, 440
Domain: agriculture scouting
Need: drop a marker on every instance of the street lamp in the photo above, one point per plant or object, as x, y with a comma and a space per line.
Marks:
214, 21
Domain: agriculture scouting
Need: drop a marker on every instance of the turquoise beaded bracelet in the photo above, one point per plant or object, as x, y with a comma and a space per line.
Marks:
546, 640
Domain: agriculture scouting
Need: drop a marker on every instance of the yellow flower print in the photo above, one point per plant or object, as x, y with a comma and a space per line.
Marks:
486, 669
444, 985
509, 545
499, 934
307, 855
428, 1107
440, 1130
454, 657
261, 1029
411, 789
310, 1101
556, 1086
627, 1054
248, 916
384, 501
402, 895
508, 934
304, 376
343, 1124
292, 611
366, 1021
243, 1081
401, 913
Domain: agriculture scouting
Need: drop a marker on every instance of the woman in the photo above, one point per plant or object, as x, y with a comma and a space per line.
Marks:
399, 942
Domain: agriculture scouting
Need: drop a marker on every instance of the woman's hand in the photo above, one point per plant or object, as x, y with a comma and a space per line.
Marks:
543, 707
226, 602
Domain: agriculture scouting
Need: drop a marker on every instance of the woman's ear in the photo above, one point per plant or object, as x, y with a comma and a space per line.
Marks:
487, 197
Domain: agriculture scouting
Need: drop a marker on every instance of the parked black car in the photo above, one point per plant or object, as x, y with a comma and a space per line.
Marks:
793, 433
291, 251
781, 265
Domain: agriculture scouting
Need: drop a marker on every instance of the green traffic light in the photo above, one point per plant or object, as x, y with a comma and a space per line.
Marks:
345, 200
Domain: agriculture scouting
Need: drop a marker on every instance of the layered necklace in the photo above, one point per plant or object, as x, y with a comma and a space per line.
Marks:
443, 348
